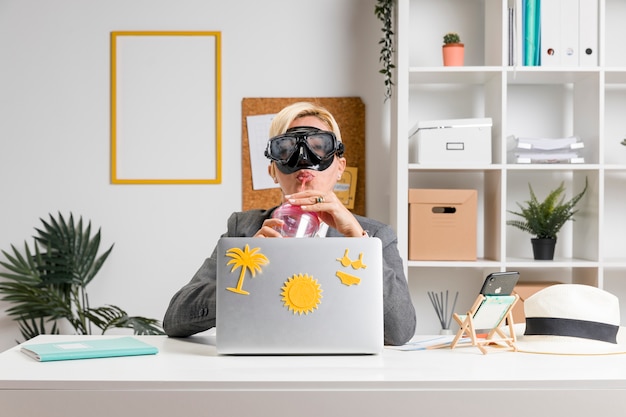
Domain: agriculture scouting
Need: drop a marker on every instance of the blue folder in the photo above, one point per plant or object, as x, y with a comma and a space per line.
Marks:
532, 32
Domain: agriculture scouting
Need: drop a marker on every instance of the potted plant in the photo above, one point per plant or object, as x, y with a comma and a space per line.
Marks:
453, 50
544, 219
47, 285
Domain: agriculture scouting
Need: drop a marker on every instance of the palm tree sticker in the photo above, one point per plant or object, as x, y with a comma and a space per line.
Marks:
247, 260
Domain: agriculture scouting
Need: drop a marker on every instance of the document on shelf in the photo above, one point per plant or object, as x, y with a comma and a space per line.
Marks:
549, 144
548, 158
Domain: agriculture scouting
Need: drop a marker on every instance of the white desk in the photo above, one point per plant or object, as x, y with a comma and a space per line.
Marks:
188, 378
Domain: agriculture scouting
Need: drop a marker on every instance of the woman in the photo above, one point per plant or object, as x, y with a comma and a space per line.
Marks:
306, 155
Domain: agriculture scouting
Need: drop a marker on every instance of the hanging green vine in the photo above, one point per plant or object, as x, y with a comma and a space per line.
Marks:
384, 13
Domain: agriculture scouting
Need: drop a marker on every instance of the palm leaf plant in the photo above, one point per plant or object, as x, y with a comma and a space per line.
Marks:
46, 285
544, 219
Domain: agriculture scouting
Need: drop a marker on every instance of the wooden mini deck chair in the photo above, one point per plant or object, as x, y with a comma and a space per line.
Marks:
488, 313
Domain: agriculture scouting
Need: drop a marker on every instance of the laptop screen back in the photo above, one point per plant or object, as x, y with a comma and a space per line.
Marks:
299, 296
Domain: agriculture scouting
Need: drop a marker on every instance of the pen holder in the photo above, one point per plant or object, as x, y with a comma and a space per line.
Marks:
440, 304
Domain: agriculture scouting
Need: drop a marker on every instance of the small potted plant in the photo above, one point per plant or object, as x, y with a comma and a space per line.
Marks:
544, 219
453, 50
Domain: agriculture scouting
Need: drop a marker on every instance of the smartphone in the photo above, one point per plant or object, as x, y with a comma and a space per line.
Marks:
499, 283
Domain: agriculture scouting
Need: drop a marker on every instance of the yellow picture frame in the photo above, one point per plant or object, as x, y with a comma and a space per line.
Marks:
166, 107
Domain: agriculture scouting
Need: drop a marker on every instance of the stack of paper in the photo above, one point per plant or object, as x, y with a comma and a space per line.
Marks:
547, 150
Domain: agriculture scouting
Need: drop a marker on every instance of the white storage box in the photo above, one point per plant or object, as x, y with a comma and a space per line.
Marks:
451, 142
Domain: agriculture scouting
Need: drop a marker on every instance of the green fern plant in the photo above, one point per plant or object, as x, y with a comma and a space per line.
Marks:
545, 219
47, 285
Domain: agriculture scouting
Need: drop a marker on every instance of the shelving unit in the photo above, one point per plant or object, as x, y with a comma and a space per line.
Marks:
589, 102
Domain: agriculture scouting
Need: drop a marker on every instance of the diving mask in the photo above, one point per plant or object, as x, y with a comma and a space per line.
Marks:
303, 148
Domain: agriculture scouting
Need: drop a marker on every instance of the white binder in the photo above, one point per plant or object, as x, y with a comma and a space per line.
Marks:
551, 50
569, 32
588, 33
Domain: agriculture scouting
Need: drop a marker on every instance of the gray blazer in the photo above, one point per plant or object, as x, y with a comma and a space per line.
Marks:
192, 309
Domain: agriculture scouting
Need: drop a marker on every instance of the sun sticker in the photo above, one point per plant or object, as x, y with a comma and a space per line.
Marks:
301, 294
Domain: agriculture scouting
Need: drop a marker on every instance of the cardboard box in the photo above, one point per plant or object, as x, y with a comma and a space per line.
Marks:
442, 225
452, 142
525, 290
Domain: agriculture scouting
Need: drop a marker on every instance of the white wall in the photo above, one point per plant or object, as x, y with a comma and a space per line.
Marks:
55, 124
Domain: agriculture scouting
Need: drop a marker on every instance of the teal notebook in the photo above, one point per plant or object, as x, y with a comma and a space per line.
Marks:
88, 349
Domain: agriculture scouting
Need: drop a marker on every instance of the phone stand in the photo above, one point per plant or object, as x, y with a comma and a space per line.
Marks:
488, 313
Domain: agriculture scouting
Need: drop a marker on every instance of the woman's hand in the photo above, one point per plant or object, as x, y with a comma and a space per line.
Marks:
329, 209
270, 228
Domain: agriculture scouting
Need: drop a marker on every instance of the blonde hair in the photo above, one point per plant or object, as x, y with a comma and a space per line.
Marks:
282, 120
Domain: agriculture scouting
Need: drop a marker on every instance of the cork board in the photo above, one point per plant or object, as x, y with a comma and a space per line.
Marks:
350, 115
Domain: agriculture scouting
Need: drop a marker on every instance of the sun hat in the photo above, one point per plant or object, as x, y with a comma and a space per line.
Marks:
572, 319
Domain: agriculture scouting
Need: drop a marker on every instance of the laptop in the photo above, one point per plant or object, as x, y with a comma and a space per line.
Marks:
300, 296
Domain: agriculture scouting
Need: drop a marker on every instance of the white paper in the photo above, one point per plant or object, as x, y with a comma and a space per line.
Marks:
258, 134
549, 144
419, 342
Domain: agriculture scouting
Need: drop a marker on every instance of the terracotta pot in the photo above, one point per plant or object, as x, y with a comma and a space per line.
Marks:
453, 54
